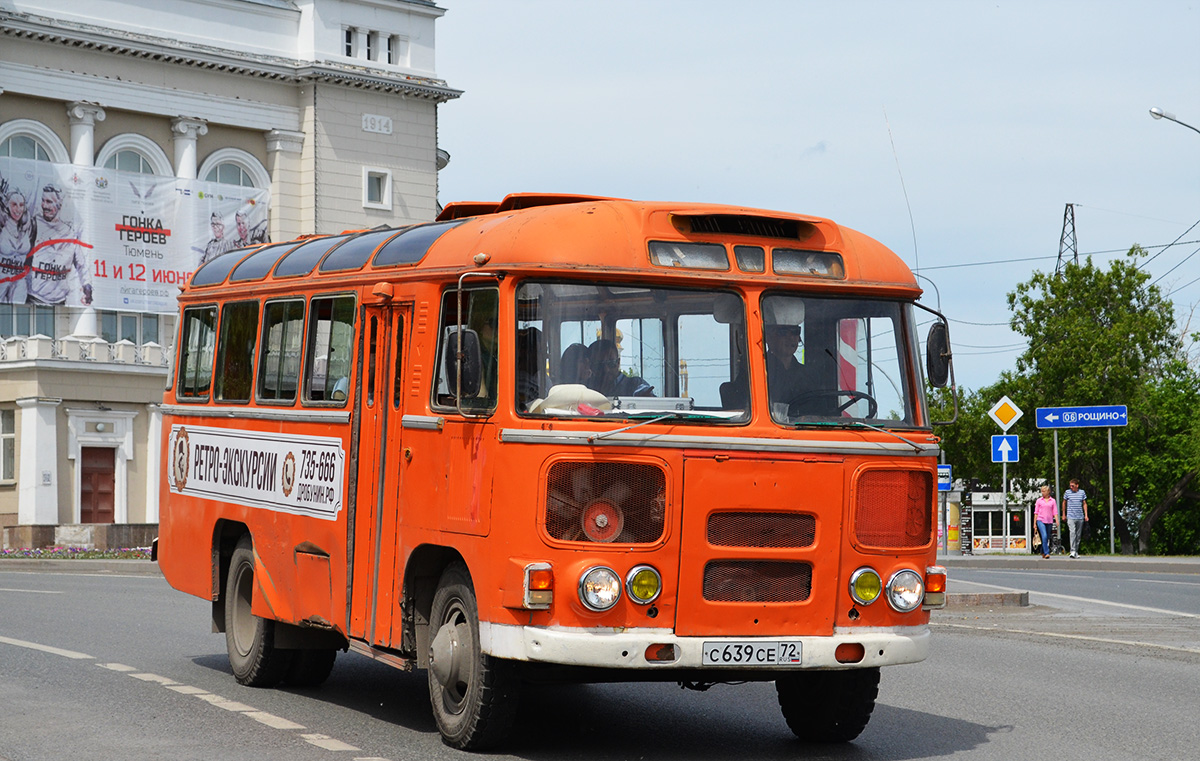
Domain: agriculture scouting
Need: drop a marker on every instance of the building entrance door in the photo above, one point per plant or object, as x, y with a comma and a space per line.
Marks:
97, 485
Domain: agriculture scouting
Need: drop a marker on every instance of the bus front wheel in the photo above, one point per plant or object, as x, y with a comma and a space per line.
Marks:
249, 639
828, 706
474, 696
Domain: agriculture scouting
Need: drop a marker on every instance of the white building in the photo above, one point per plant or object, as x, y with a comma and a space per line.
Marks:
323, 110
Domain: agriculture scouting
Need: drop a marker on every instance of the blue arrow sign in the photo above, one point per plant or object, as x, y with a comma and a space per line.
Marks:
1082, 417
1005, 449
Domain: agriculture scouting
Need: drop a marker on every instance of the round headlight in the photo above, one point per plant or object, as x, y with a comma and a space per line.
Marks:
643, 584
865, 586
905, 590
599, 588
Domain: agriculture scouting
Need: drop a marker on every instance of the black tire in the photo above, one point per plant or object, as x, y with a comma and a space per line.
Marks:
310, 668
474, 696
249, 639
828, 706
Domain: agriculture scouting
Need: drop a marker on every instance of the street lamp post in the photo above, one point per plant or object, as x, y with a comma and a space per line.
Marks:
1158, 113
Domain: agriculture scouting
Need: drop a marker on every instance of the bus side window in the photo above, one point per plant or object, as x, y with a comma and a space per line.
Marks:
196, 352
279, 350
480, 311
235, 351
330, 341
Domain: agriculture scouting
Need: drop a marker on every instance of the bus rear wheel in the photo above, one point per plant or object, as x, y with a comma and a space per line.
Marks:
828, 706
474, 696
249, 639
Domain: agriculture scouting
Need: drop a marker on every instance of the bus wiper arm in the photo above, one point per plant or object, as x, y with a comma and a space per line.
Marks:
916, 447
658, 419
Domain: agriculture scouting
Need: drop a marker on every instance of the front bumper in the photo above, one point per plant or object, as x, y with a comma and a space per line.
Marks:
626, 649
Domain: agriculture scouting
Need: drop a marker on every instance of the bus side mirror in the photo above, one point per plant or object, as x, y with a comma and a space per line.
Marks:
469, 360
937, 354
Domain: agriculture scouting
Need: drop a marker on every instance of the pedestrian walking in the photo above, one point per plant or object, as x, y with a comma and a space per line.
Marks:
1075, 513
1045, 512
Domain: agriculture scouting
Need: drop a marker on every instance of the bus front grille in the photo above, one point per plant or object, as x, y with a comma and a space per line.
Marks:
894, 509
757, 581
774, 530
607, 502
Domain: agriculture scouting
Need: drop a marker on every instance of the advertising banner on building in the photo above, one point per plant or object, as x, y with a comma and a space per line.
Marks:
114, 240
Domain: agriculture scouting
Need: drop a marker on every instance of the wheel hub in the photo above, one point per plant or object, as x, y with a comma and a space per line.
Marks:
448, 656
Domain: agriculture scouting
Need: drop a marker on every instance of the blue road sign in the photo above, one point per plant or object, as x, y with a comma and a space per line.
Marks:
1103, 416
1005, 449
944, 478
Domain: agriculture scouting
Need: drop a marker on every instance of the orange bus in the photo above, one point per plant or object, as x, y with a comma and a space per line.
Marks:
562, 438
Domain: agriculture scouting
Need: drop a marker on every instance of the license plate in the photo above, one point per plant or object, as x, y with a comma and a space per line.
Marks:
756, 653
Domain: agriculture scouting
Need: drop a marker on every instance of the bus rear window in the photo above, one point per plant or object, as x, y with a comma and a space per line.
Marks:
279, 351
196, 352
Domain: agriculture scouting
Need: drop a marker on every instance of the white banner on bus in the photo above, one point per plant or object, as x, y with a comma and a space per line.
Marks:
114, 240
301, 475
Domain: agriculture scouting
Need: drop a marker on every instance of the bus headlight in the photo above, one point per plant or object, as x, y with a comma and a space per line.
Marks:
865, 586
643, 584
905, 590
599, 588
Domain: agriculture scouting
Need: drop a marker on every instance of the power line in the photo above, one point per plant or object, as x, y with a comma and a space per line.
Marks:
1164, 247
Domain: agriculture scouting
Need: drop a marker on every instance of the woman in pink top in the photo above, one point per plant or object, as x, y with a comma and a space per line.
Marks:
1045, 510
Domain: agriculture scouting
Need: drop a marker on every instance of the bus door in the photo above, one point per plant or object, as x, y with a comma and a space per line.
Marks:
378, 411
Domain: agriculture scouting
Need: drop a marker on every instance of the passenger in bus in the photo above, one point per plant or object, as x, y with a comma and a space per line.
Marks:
607, 378
574, 366
787, 379
530, 366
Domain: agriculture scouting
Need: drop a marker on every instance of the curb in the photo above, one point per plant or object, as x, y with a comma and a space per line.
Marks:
113, 567
990, 599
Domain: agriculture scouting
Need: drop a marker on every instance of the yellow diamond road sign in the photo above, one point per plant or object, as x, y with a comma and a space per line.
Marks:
1005, 413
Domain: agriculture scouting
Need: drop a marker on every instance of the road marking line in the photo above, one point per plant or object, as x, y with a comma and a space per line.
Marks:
328, 743
1073, 598
165, 682
116, 667
226, 703
32, 591
1105, 640
186, 689
46, 649
370, 758
272, 720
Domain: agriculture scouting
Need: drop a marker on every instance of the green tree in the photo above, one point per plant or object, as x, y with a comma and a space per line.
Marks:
1099, 336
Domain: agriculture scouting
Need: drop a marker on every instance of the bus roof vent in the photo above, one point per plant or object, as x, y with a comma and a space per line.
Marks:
742, 224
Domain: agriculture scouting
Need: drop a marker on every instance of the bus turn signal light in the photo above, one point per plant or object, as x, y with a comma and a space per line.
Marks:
935, 587
539, 586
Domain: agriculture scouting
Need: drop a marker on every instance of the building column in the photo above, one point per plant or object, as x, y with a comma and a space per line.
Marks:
153, 461
186, 131
83, 117
283, 164
360, 43
37, 498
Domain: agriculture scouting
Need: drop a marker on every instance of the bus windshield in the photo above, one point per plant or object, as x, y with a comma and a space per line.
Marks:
840, 360
590, 349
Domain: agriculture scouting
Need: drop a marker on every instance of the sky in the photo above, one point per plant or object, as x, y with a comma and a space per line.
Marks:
953, 132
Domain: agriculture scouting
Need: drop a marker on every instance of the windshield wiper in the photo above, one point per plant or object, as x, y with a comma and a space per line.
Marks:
658, 418
916, 447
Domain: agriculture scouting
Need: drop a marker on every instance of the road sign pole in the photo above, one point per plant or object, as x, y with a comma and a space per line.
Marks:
1112, 518
1004, 501
1057, 490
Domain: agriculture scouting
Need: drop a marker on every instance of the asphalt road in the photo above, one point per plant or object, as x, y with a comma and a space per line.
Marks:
112, 666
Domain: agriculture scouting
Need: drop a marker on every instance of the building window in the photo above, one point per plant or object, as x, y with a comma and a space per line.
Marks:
129, 326
26, 320
24, 147
229, 173
348, 48
8, 446
372, 45
377, 188
129, 161
397, 50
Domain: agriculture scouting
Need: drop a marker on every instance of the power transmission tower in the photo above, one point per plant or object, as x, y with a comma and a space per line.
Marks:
1066, 243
